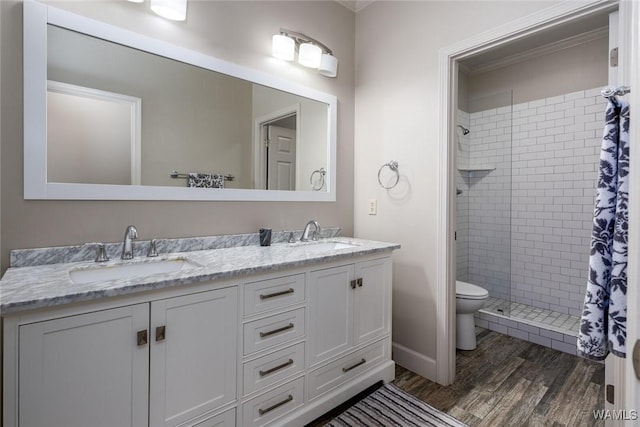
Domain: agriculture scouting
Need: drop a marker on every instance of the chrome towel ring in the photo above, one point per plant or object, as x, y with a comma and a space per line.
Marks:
393, 165
322, 173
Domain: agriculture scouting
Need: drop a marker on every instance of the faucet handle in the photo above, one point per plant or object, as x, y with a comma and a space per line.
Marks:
153, 251
101, 255
101, 252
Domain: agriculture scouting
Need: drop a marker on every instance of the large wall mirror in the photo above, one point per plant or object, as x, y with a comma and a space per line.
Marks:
113, 115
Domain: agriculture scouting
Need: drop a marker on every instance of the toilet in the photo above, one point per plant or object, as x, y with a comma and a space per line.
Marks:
469, 299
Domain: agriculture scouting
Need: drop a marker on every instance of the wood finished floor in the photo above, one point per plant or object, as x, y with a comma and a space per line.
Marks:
509, 382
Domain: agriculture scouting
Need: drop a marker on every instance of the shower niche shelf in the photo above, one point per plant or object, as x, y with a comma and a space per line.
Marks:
476, 168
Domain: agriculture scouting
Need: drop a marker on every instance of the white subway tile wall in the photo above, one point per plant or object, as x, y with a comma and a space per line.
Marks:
524, 228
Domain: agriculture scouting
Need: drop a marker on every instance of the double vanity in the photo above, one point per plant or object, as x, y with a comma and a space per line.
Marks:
221, 332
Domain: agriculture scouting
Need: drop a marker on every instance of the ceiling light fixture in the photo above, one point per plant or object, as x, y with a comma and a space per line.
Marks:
311, 53
176, 10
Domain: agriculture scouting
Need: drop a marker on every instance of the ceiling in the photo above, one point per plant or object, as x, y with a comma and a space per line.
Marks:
565, 34
355, 5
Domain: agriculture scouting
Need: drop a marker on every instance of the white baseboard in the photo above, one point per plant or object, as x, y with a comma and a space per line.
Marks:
416, 362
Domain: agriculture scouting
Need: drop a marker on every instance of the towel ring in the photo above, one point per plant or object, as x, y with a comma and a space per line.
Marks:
393, 165
322, 173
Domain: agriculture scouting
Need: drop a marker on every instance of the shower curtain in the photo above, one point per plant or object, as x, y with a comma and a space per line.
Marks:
603, 327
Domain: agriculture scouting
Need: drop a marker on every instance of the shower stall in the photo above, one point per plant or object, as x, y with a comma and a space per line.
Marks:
526, 185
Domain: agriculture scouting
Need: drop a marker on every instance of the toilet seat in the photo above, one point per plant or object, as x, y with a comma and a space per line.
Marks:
466, 290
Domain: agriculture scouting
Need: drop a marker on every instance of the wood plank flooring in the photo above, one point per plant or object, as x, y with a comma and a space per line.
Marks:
508, 382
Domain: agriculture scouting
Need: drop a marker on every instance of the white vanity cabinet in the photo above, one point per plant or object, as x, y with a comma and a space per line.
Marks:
350, 305
160, 363
271, 348
193, 355
274, 337
349, 322
85, 370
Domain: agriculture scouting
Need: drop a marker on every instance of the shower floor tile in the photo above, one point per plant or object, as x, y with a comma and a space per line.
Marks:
533, 316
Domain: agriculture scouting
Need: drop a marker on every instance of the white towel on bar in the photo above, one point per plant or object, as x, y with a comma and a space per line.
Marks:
205, 180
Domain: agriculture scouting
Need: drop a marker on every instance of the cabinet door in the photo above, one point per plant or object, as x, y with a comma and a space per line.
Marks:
193, 359
330, 312
372, 300
85, 370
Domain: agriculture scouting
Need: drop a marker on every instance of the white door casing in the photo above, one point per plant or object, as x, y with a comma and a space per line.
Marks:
629, 20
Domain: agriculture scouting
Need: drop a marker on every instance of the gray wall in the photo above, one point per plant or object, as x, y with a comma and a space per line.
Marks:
238, 32
397, 91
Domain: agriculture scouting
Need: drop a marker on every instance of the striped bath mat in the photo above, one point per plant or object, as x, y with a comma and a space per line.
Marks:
390, 406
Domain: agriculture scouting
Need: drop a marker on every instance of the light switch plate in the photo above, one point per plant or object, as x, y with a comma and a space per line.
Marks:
373, 207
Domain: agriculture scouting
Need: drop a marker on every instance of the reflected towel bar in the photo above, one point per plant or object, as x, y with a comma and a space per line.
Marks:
176, 174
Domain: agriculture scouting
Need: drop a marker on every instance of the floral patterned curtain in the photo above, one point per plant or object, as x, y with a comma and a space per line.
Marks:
603, 327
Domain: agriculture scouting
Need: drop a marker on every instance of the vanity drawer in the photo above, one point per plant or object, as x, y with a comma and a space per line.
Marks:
339, 371
225, 419
273, 330
266, 370
269, 406
272, 294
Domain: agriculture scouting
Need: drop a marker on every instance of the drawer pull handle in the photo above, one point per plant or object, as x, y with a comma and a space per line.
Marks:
277, 294
276, 368
142, 338
275, 331
362, 362
277, 405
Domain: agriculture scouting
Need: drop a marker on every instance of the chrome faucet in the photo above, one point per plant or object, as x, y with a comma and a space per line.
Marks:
130, 235
305, 233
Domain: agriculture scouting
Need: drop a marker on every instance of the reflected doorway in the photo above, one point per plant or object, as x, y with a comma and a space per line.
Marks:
276, 165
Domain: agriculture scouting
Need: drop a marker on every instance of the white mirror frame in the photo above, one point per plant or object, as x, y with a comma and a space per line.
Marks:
36, 18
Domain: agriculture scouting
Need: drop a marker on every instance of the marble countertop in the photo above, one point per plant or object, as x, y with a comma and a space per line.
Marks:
27, 288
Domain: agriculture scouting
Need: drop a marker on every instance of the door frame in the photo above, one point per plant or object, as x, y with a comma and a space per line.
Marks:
629, 21
449, 56
135, 117
259, 152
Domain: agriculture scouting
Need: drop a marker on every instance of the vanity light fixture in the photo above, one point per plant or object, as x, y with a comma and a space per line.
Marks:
176, 10
311, 53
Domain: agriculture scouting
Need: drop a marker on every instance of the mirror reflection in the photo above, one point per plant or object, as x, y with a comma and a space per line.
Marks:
118, 115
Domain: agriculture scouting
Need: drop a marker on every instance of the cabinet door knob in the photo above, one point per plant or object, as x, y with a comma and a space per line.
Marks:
160, 333
353, 284
359, 282
142, 338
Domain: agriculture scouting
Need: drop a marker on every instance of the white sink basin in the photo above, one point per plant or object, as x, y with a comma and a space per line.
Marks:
325, 246
129, 270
